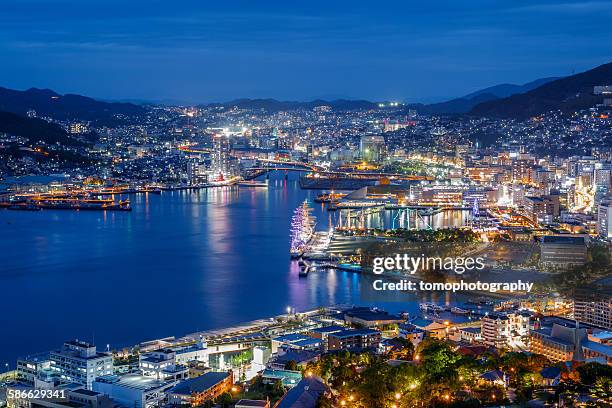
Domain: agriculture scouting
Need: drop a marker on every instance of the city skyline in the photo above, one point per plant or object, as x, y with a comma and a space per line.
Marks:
291, 222
196, 54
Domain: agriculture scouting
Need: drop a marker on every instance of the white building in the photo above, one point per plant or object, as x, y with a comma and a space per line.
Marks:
604, 219
162, 365
80, 362
133, 390
504, 330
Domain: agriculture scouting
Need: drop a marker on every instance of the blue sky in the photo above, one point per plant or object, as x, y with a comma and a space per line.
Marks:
214, 51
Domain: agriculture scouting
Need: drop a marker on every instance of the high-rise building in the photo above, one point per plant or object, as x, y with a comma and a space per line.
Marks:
372, 148
604, 219
221, 166
196, 172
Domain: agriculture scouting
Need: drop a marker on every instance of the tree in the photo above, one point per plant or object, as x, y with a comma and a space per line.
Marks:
225, 400
439, 361
291, 365
590, 372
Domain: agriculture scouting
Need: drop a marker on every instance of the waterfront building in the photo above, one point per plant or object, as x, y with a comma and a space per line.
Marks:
133, 390
559, 251
323, 333
196, 391
80, 362
162, 365
354, 339
79, 398
222, 166
195, 352
296, 341
29, 367
366, 317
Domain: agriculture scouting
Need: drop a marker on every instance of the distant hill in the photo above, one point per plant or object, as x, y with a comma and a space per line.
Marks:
35, 130
49, 103
505, 90
465, 103
566, 94
273, 105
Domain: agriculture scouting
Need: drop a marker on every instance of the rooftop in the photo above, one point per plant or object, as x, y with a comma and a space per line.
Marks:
354, 332
562, 239
251, 403
132, 381
304, 394
199, 384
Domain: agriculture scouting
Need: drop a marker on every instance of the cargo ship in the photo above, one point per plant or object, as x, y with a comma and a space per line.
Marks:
65, 203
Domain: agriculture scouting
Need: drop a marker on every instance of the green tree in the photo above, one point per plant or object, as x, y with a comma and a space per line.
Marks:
591, 372
439, 361
291, 365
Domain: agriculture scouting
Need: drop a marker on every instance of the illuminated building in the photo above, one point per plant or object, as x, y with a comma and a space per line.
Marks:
78, 128
604, 219
354, 339
593, 305
196, 391
561, 342
542, 209
80, 362
372, 148
196, 172
503, 330
222, 167
133, 390
559, 251
522, 171
162, 365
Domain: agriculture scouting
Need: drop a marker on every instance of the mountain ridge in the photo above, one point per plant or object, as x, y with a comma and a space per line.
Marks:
47, 102
567, 94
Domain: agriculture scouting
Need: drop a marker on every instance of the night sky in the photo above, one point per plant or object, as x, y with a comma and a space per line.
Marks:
198, 51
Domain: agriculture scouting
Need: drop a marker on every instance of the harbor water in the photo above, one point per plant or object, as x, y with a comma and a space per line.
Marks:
180, 262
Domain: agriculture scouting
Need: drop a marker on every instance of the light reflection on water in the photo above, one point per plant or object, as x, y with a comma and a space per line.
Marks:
179, 262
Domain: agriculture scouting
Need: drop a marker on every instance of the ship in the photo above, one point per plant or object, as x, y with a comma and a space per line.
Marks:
302, 229
67, 203
252, 183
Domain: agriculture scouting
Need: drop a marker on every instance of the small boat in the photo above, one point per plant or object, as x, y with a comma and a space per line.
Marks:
152, 190
252, 183
459, 311
304, 272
